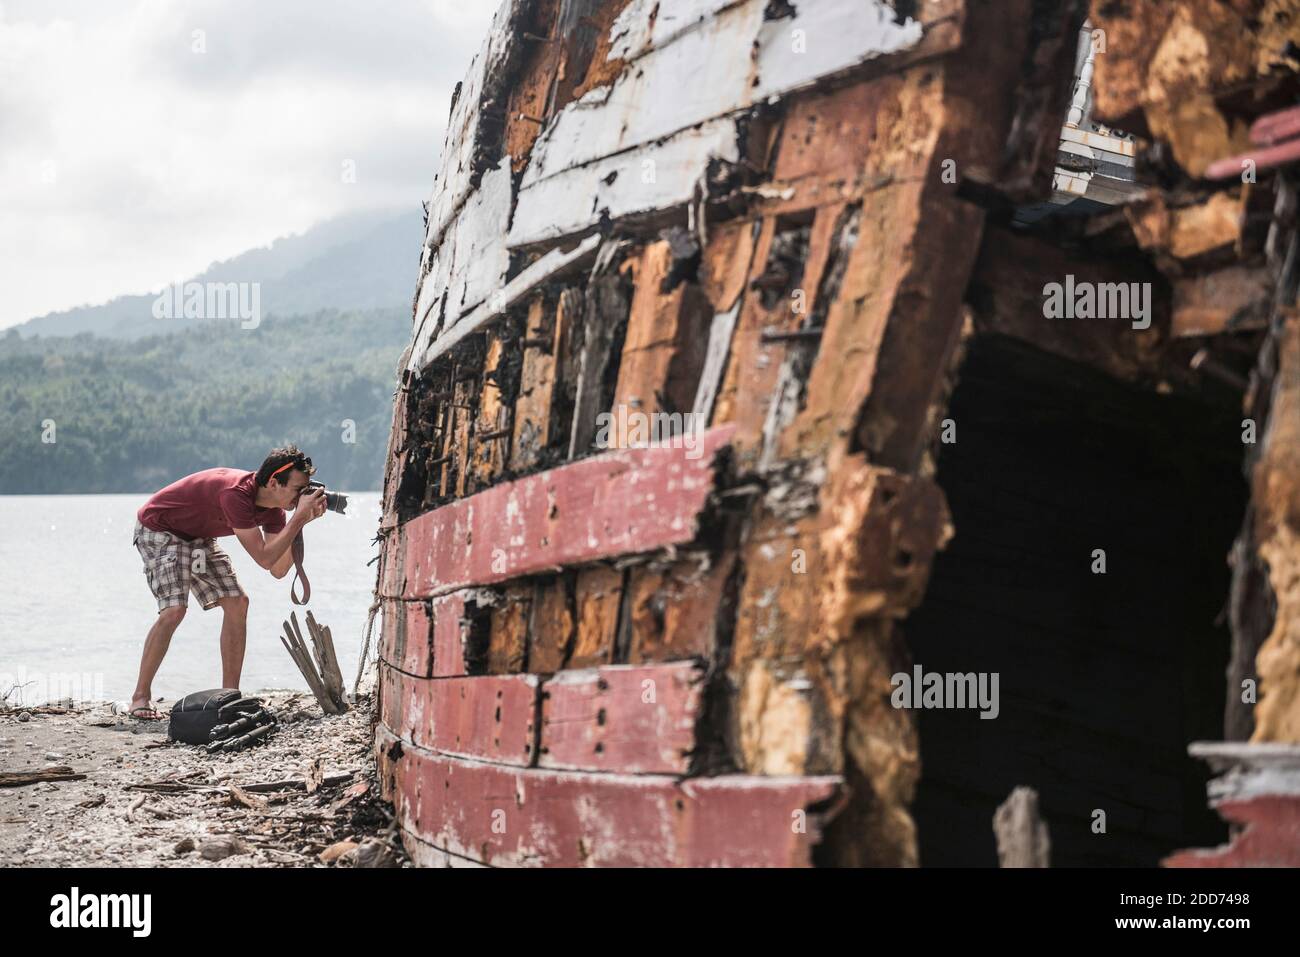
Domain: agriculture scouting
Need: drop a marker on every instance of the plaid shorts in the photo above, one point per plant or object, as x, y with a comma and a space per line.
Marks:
175, 566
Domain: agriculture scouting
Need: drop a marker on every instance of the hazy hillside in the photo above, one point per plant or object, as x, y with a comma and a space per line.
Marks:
132, 416
363, 261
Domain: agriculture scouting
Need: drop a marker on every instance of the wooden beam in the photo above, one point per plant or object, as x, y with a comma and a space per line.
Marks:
633, 719
618, 503
533, 817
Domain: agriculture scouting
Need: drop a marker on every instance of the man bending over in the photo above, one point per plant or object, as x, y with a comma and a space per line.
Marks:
176, 533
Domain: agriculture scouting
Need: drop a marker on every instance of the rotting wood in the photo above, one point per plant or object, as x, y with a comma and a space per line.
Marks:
532, 416
598, 594
551, 630
674, 610
508, 639
604, 324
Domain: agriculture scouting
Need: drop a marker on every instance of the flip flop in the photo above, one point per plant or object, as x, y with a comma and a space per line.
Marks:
143, 713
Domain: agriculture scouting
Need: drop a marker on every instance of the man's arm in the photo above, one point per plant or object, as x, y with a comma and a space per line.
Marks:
272, 552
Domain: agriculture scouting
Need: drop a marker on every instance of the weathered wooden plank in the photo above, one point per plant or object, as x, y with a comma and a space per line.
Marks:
552, 627
486, 717
1007, 290
407, 637
659, 369
488, 457
633, 719
1267, 834
540, 817
471, 261
722, 64
392, 577
673, 610
530, 95
429, 343
653, 177
1235, 298
532, 418
623, 502
508, 639
392, 631
449, 632
598, 594
1190, 231
604, 321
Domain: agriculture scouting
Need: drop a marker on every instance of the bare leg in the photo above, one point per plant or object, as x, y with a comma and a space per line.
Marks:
234, 632
155, 648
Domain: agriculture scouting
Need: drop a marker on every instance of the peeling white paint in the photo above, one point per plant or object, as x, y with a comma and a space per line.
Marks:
616, 186
641, 144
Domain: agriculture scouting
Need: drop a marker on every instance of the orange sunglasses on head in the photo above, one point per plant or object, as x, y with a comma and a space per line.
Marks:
281, 469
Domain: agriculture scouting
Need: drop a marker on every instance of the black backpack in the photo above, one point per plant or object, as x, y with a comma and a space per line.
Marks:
194, 716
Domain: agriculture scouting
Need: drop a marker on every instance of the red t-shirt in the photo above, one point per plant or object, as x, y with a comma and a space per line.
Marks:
209, 504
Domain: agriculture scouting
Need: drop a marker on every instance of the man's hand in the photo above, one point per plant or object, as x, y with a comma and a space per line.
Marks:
311, 506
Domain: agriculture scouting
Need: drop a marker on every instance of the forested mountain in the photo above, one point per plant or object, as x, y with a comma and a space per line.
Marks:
360, 261
134, 415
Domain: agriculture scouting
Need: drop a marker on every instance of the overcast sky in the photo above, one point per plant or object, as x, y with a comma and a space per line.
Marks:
135, 150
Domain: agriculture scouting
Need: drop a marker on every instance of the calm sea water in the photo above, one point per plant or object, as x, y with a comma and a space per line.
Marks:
75, 607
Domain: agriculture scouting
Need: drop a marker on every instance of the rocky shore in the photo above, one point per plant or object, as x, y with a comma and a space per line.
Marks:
129, 797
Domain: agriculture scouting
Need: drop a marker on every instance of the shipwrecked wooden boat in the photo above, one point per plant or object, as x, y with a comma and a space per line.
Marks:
733, 396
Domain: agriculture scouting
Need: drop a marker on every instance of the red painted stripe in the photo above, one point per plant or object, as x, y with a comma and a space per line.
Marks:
636, 719
392, 621
616, 503
405, 639
491, 717
1265, 158
535, 817
392, 578
1274, 127
1268, 835
417, 657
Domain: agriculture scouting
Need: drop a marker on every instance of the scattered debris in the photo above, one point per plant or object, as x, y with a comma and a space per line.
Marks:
335, 851
136, 804
13, 779
220, 848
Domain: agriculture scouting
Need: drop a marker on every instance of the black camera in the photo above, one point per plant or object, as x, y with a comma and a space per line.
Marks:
334, 501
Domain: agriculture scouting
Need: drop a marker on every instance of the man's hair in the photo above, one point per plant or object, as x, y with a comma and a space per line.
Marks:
281, 457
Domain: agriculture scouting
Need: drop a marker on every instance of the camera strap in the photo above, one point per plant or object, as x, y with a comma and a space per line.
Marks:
299, 550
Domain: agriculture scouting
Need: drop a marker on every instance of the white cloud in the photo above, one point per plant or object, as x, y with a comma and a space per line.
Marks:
127, 159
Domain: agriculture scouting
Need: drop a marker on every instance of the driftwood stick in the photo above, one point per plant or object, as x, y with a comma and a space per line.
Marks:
1021, 834
13, 779
321, 687
330, 673
297, 649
